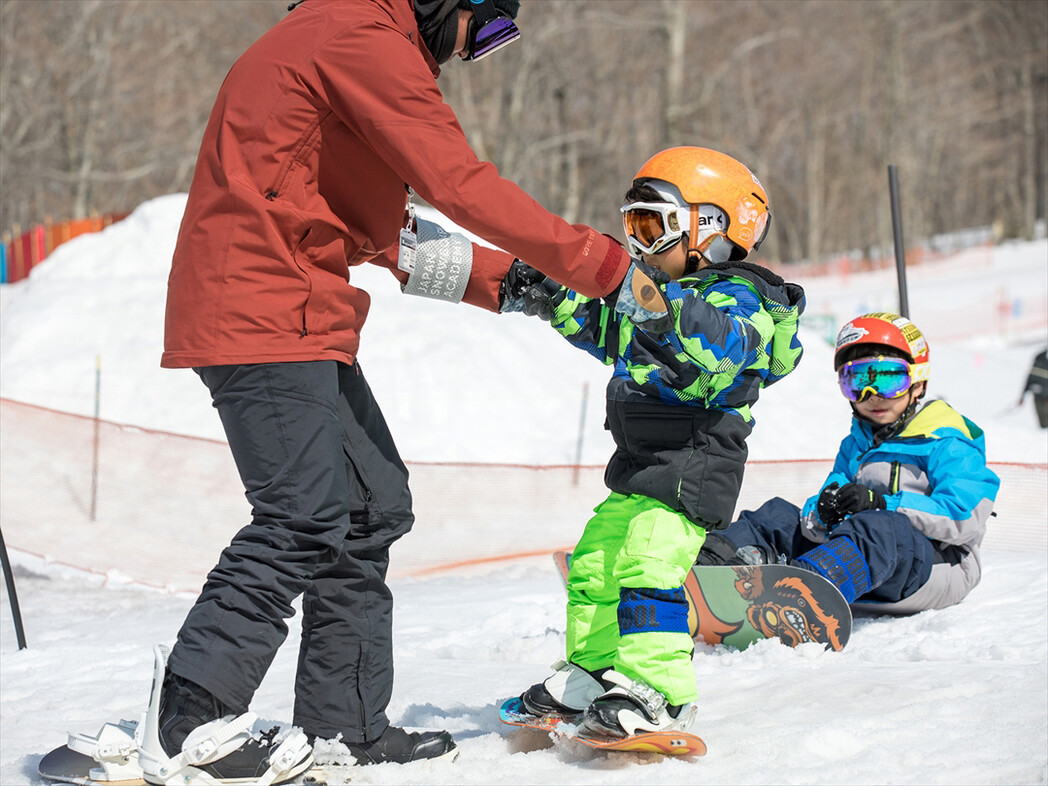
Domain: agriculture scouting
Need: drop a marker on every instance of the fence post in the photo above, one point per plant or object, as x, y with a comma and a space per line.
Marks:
94, 445
582, 428
12, 595
900, 248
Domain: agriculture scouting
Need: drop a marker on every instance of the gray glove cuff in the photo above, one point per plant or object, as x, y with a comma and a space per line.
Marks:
443, 262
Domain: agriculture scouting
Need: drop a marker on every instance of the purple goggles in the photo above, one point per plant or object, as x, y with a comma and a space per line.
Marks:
888, 377
489, 30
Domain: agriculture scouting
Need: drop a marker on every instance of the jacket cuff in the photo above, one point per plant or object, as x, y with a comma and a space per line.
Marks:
490, 267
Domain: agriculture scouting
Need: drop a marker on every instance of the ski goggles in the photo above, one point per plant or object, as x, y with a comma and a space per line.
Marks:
489, 30
654, 227
880, 376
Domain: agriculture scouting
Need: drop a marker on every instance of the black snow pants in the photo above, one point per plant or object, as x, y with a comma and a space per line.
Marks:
898, 557
329, 494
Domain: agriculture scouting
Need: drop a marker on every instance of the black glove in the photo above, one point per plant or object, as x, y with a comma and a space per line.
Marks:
540, 299
518, 278
854, 497
826, 507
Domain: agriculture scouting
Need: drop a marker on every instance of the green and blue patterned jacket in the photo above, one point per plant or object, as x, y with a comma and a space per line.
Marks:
679, 402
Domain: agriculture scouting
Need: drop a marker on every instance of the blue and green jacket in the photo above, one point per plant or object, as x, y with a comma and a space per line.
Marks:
678, 402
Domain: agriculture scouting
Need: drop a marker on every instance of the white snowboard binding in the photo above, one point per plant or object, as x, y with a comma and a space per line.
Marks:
632, 707
209, 743
114, 748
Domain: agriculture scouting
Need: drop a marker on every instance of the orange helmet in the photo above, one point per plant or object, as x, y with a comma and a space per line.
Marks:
701, 176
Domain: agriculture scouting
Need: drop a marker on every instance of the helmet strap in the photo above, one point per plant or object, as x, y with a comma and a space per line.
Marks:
692, 262
694, 257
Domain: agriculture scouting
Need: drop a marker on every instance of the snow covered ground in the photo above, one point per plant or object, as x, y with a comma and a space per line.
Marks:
958, 696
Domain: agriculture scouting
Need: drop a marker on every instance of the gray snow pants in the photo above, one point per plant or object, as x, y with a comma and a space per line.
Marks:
329, 494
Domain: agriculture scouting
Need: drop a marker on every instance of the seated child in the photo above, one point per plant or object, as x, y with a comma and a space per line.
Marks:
898, 523
694, 333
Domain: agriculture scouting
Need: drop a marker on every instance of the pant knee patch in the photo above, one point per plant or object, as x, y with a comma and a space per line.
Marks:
643, 610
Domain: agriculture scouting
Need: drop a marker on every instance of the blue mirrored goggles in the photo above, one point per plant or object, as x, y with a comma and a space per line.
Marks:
886, 377
489, 30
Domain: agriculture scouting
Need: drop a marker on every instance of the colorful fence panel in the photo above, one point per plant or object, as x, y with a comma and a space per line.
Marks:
22, 251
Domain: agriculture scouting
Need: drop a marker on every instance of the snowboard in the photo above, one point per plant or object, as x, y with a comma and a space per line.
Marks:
65, 765
566, 727
737, 605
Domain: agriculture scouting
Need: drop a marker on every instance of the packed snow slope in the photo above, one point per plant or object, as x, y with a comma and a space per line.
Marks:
958, 696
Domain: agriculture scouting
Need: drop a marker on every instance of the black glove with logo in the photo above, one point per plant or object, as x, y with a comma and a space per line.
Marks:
826, 507
854, 497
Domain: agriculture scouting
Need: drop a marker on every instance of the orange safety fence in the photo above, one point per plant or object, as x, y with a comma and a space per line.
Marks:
154, 508
22, 251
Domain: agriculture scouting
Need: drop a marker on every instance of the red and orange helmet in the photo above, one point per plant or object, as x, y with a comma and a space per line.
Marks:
884, 329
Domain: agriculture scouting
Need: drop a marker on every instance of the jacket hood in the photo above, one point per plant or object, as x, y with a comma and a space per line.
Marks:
438, 26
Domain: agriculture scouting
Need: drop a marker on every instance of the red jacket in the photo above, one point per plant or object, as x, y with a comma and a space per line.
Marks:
301, 175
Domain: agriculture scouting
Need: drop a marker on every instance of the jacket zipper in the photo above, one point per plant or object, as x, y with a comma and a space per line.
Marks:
893, 482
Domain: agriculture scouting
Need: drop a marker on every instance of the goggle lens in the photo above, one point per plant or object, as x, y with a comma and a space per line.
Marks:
491, 37
885, 377
645, 225
651, 228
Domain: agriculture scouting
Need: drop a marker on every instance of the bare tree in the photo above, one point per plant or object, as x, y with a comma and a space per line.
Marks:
103, 103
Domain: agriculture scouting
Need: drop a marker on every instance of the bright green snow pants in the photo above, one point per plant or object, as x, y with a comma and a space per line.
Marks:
632, 542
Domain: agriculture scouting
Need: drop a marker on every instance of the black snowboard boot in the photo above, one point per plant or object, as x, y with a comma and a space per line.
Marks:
717, 550
185, 706
401, 747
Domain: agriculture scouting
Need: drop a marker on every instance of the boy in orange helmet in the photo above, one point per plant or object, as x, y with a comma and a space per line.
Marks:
694, 334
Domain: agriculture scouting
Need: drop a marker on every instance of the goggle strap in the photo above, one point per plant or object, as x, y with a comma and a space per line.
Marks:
484, 11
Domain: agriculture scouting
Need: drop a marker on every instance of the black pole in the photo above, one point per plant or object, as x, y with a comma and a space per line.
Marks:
900, 249
9, 579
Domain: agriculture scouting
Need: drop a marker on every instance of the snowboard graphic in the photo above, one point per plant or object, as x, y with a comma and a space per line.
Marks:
565, 727
738, 605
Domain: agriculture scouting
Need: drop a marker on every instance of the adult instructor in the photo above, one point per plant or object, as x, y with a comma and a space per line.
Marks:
318, 133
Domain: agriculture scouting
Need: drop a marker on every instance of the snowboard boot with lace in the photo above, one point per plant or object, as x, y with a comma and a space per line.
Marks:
633, 707
189, 737
568, 691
